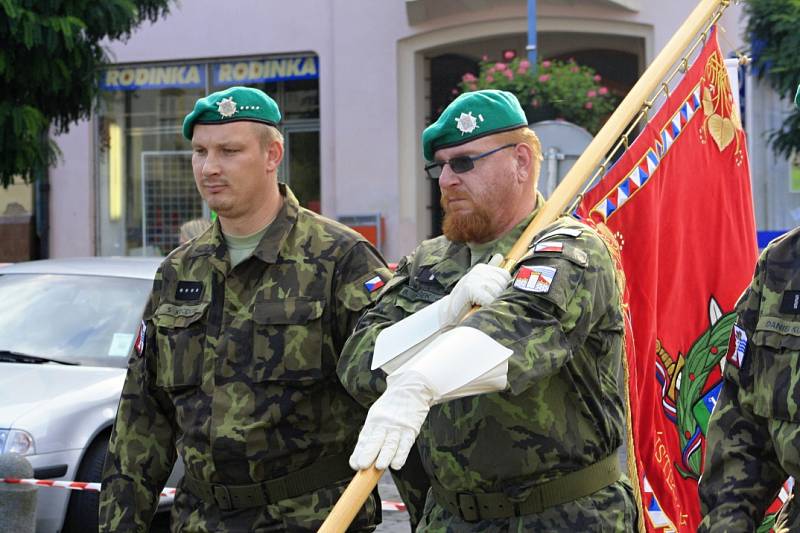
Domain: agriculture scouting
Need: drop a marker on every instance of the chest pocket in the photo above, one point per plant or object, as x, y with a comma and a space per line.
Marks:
411, 299
775, 359
287, 340
180, 338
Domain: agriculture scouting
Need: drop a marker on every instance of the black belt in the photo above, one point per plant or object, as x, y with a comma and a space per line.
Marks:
323, 473
475, 506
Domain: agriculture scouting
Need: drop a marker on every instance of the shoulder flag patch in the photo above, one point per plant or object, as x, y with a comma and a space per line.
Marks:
534, 278
373, 284
138, 344
549, 246
565, 232
737, 347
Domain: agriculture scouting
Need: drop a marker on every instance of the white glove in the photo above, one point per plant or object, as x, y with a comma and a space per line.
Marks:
480, 286
393, 422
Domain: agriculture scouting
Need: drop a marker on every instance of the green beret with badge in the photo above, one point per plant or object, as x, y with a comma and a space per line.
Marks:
232, 105
471, 116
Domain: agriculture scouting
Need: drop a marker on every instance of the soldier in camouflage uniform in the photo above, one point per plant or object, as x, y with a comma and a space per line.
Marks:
234, 367
540, 455
753, 442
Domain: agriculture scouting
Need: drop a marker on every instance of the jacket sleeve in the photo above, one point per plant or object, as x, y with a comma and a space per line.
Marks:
742, 475
366, 385
354, 371
141, 452
360, 274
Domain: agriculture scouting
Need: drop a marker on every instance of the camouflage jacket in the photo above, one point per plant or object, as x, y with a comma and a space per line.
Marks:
753, 441
237, 373
563, 409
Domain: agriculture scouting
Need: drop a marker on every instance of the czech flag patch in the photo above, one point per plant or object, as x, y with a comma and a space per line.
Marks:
737, 347
373, 284
138, 344
534, 278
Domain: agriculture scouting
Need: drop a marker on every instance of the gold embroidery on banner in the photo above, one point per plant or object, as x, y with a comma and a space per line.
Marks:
723, 122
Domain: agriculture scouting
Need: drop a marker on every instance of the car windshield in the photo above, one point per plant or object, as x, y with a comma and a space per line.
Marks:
91, 320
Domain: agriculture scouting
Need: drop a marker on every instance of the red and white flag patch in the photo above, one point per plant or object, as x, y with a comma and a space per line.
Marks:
536, 278
138, 344
549, 246
373, 284
737, 347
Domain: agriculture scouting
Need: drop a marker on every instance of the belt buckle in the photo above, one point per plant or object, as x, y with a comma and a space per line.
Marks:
223, 497
467, 504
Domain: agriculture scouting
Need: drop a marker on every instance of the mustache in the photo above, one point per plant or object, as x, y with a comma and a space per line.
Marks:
446, 198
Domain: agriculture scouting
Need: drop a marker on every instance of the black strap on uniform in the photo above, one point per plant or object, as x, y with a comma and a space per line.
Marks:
475, 506
323, 473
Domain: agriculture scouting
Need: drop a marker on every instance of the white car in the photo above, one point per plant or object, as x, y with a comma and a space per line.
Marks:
67, 327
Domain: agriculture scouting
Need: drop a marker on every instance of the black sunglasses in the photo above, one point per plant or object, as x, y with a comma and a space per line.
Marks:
460, 164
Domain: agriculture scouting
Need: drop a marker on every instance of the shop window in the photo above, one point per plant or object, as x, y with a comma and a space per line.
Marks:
145, 185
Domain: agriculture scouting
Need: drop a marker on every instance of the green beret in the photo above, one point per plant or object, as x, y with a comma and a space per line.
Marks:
231, 105
797, 97
471, 116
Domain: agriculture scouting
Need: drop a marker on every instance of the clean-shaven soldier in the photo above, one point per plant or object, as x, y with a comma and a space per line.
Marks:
234, 367
518, 408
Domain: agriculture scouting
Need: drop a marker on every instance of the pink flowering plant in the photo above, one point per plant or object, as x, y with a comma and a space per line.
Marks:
558, 89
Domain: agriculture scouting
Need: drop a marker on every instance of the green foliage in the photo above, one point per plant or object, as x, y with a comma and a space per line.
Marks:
50, 61
773, 31
558, 89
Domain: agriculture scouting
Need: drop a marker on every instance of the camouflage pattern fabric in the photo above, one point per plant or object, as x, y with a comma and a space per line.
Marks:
753, 441
238, 374
563, 410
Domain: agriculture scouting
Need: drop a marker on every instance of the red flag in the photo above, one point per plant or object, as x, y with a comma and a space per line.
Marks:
679, 204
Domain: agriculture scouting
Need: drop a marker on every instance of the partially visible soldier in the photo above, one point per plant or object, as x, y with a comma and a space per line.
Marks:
753, 442
234, 367
531, 446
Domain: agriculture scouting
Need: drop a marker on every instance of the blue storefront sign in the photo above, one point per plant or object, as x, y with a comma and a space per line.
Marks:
155, 77
193, 76
265, 70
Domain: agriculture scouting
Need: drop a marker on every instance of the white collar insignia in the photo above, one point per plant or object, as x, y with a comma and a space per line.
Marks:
466, 123
226, 107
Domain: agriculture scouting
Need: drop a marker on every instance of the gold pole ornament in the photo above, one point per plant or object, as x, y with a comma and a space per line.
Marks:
364, 481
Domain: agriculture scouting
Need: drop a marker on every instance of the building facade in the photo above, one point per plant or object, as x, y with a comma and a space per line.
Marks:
357, 81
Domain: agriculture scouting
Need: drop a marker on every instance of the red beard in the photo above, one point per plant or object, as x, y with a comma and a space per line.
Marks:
472, 227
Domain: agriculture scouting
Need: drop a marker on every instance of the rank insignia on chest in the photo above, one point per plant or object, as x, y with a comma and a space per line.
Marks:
534, 278
737, 347
189, 290
373, 284
790, 304
138, 343
549, 246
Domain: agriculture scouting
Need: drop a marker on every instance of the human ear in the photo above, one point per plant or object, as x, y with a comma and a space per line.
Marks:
523, 155
274, 155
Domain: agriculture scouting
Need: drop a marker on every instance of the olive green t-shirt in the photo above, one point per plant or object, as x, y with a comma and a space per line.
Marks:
240, 248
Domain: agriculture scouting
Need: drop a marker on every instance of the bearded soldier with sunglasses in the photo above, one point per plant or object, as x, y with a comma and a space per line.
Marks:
517, 408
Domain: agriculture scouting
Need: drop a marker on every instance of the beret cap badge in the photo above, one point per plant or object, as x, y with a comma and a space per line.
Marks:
226, 107
466, 123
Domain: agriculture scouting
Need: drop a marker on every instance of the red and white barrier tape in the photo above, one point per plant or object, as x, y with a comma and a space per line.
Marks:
72, 485
166, 493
